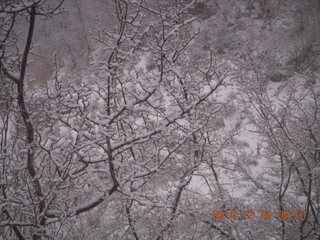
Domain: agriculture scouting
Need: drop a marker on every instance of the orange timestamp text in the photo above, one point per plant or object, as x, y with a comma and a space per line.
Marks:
250, 214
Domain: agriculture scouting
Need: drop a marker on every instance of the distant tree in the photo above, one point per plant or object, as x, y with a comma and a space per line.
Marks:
286, 117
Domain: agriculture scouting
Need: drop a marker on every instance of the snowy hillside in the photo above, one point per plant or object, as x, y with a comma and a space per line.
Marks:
186, 119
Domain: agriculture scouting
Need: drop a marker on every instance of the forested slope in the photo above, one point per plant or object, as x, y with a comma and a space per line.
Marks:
159, 120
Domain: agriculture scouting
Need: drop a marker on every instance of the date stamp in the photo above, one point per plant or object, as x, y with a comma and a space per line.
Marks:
250, 214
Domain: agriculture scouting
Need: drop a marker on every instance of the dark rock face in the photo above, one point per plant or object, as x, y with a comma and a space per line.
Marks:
278, 77
202, 10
